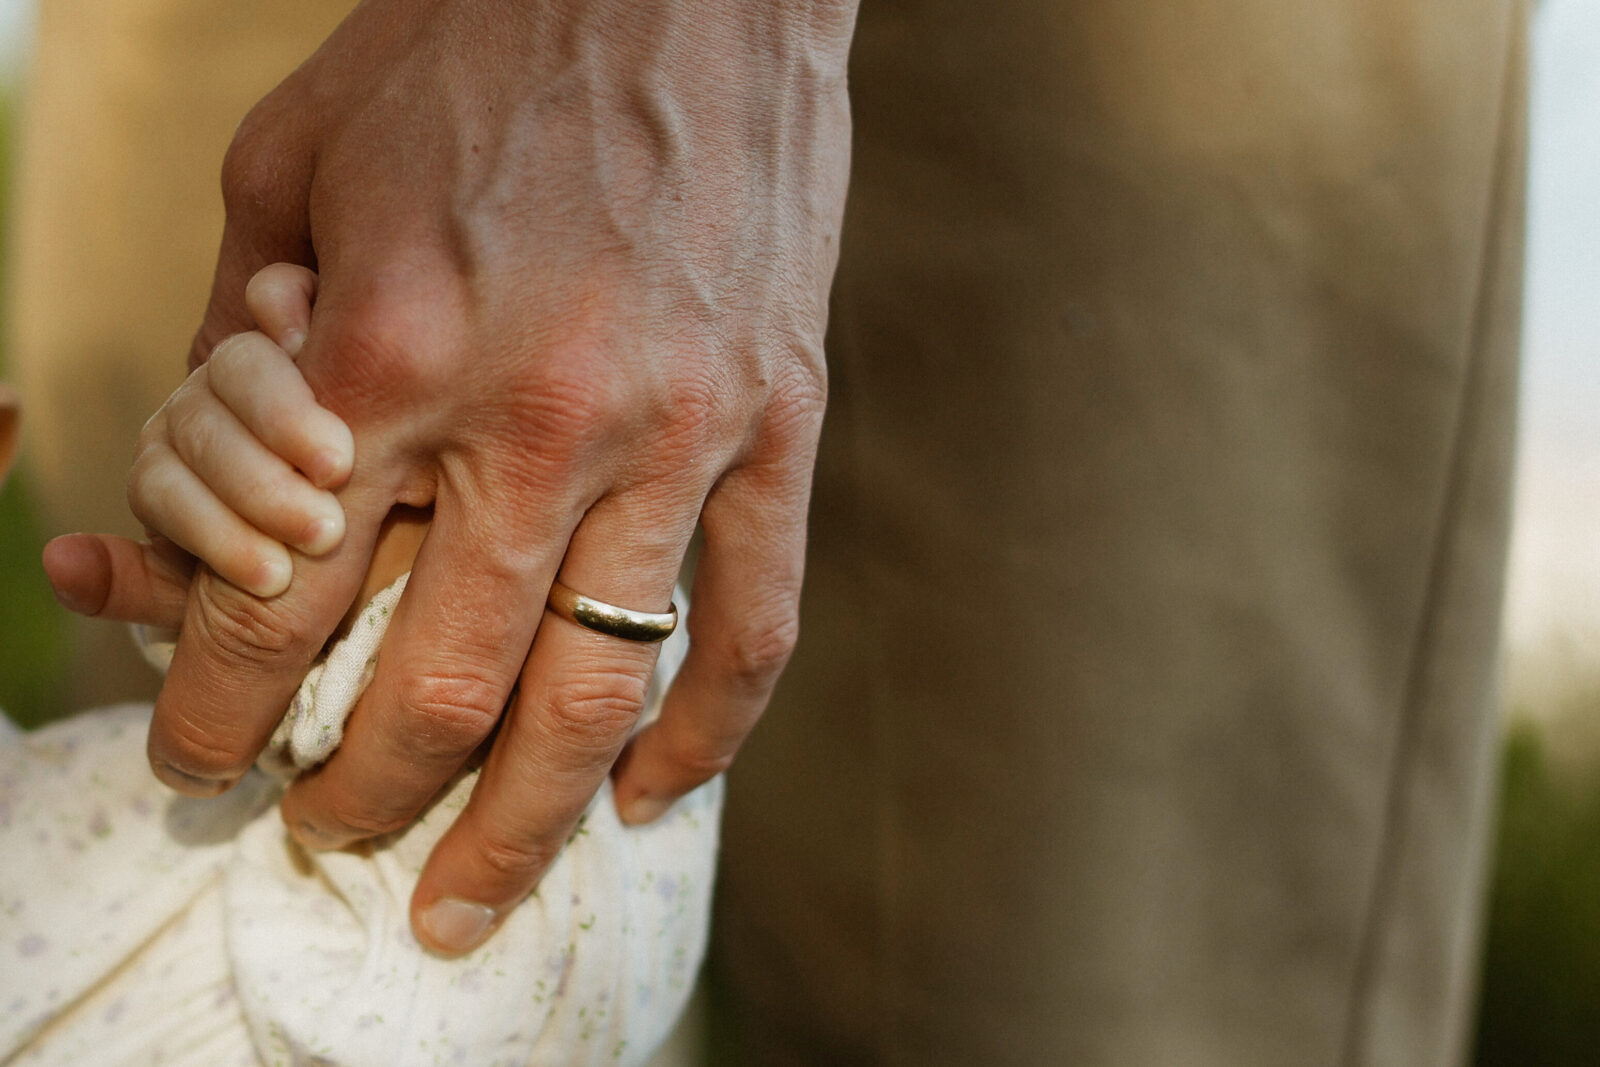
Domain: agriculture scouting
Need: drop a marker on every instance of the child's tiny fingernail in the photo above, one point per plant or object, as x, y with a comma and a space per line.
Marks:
293, 341
323, 534
456, 925
272, 576
329, 467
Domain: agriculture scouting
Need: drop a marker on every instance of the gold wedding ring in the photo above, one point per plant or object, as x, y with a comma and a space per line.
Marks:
608, 619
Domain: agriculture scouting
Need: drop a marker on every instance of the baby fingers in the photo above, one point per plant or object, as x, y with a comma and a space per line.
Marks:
246, 475
279, 298
169, 498
257, 381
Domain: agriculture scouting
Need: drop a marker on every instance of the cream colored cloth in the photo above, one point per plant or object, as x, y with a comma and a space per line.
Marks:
314, 724
140, 927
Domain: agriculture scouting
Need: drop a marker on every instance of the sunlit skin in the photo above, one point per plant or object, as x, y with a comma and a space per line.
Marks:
574, 261
248, 404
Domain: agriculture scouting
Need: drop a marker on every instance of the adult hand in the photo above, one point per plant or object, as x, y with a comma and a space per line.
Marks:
574, 264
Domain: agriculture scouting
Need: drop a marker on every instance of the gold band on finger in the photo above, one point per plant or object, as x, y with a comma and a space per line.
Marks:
608, 619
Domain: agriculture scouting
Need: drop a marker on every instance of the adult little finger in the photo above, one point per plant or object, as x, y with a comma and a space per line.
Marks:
744, 626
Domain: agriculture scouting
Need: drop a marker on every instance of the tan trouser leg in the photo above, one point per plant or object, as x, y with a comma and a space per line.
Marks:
1143, 712
128, 112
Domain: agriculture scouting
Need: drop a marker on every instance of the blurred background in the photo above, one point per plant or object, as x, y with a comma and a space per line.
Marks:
1541, 976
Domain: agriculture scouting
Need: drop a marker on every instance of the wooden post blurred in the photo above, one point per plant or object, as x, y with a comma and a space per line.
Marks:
128, 111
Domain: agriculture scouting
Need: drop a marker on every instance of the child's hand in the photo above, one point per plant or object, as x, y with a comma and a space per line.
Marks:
218, 475
237, 463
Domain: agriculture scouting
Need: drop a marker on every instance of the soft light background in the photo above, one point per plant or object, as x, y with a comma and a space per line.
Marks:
1553, 613
16, 17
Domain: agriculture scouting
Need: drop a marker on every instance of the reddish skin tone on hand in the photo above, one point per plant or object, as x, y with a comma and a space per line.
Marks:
574, 260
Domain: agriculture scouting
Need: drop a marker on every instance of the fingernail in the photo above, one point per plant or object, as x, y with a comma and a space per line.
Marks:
293, 341
456, 925
188, 784
322, 534
272, 576
72, 552
74, 603
645, 808
329, 467
315, 838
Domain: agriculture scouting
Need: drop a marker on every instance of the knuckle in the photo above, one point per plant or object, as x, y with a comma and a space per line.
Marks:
191, 748
253, 165
797, 403
755, 656
698, 412
354, 818
570, 403
190, 427
514, 862
701, 759
596, 710
246, 630
393, 347
449, 714
231, 356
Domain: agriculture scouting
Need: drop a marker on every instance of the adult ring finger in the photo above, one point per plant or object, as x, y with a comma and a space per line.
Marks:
608, 619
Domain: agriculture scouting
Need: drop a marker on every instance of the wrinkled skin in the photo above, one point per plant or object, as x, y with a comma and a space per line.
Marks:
574, 263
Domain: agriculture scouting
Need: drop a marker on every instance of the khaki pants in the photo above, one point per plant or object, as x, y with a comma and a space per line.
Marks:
1144, 712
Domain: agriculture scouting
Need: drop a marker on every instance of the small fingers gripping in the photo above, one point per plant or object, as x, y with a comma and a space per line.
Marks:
236, 466
248, 476
167, 496
279, 298
262, 387
240, 657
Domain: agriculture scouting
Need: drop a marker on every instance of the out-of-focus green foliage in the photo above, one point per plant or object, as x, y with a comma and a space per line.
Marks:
32, 632
1541, 985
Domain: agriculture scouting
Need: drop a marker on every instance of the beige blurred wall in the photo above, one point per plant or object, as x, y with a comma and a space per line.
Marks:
127, 112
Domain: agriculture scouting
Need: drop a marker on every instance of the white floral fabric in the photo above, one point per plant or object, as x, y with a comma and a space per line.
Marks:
141, 927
